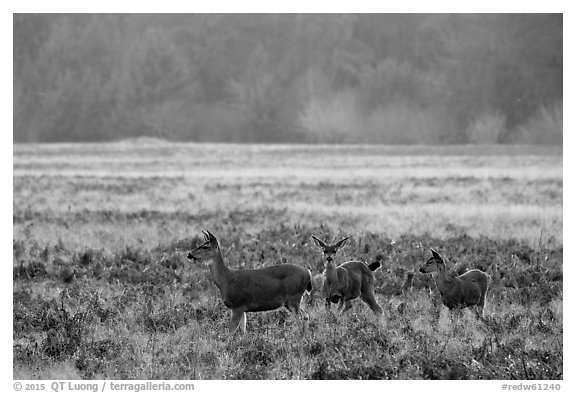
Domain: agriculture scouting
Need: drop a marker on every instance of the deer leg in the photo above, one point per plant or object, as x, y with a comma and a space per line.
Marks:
242, 323
304, 315
297, 310
238, 320
481, 305
371, 302
480, 311
347, 306
457, 313
301, 315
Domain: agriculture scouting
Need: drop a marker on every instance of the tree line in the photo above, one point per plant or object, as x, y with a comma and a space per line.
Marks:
328, 78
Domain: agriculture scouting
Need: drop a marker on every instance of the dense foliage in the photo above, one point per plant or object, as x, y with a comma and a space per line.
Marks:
409, 78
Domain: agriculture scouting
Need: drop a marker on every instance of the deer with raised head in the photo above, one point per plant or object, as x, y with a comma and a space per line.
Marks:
348, 281
255, 290
466, 290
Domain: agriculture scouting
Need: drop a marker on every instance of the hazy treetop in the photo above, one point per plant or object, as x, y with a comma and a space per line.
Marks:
381, 78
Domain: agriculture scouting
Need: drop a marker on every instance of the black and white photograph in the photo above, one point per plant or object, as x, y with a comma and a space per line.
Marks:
286, 196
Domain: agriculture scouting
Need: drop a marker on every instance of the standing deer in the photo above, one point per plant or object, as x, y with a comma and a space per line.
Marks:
466, 290
256, 290
348, 281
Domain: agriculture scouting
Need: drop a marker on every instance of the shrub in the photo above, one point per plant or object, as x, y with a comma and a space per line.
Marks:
487, 128
332, 119
403, 124
340, 119
545, 127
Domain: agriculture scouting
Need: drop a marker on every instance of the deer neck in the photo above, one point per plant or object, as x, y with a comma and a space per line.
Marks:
443, 280
331, 274
219, 271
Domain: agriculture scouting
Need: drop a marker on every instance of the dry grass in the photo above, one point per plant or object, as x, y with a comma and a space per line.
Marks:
102, 288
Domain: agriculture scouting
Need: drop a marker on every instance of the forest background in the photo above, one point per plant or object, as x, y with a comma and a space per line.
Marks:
329, 78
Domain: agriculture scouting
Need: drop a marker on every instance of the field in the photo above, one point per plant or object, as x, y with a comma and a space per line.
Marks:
102, 287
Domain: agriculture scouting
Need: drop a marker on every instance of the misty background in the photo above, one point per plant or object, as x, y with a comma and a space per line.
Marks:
314, 78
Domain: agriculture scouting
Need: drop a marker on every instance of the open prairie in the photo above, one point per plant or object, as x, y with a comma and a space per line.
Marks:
102, 287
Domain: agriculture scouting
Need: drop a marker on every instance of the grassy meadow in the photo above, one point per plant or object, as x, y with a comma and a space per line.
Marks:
102, 287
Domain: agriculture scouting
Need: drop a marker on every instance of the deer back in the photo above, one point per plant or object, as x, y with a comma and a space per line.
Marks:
353, 276
267, 288
467, 289
478, 277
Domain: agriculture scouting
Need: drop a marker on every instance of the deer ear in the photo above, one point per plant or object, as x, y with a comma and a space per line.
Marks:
436, 255
341, 243
317, 242
212, 238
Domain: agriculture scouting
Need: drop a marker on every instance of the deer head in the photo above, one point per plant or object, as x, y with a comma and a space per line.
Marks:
207, 250
434, 263
329, 251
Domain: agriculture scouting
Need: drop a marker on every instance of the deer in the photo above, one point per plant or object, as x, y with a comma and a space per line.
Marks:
348, 281
317, 289
255, 290
466, 290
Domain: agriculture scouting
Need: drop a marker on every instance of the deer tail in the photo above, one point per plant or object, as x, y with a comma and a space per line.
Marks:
375, 266
309, 286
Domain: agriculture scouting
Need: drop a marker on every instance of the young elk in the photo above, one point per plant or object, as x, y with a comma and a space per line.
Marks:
348, 281
256, 290
466, 290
